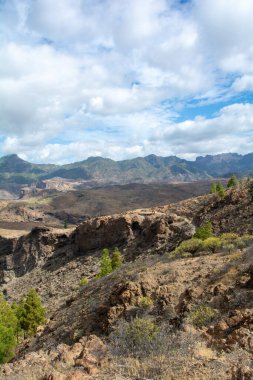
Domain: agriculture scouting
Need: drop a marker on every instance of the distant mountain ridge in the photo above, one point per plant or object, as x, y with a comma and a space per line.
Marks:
15, 172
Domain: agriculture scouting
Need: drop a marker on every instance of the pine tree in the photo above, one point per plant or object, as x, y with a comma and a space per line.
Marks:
8, 326
105, 263
220, 190
18, 308
116, 259
213, 188
31, 313
232, 181
204, 232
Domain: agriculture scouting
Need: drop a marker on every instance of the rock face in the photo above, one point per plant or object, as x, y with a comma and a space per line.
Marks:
20, 255
135, 231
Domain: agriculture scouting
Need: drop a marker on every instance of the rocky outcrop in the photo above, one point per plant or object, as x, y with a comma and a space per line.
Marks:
135, 231
80, 361
21, 255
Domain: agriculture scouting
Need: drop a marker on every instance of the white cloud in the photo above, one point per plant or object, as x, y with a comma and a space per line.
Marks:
99, 77
231, 130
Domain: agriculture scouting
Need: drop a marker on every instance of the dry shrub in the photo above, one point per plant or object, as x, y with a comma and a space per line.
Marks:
234, 256
170, 354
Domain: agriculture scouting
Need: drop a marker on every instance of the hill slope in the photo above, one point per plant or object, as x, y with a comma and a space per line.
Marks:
153, 285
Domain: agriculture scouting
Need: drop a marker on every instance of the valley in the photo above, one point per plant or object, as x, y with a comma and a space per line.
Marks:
52, 208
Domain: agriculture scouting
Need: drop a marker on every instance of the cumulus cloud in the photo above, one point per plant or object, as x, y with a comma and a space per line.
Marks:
110, 77
231, 130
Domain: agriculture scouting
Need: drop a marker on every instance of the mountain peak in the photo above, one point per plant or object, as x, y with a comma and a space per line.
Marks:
13, 163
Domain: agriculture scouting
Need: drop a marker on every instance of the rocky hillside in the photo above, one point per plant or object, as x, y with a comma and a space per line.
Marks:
201, 306
16, 173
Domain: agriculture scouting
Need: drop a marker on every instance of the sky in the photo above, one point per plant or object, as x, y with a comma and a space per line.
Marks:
125, 78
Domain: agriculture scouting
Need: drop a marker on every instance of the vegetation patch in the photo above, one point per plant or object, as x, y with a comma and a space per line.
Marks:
108, 262
227, 242
18, 321
202, 315
238, 255
145, 302
204, 232
188, 247
84, 281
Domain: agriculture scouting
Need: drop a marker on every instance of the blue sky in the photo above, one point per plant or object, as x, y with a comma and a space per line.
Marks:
128, 78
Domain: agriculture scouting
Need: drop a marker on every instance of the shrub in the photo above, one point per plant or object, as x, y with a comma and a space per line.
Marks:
237, 255
8, 328
202, 315
220, 190
84, 281
232, 181
229, 237
204, 231
8, 343
228, 247
136, 338
31, 313
105, 263
212, 244
145, 302
232, 240
213, 188
189, 247
116, 259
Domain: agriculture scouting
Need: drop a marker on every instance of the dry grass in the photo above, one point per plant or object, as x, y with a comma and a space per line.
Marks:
234, 256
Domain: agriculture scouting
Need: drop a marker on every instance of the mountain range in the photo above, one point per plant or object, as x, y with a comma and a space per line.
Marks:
16, 172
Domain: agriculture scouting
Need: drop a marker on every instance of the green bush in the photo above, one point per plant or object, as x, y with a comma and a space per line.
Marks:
31, 313
145, 302
213, 188
8, 329
8, 343
202, 315
190, 246
212, 244
140, 330
84, 281
220, 190
229, 237
204, 231
109, 263
116, 259
232, 181
105, 263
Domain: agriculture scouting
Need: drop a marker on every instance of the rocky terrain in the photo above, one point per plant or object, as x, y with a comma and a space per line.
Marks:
79, 341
